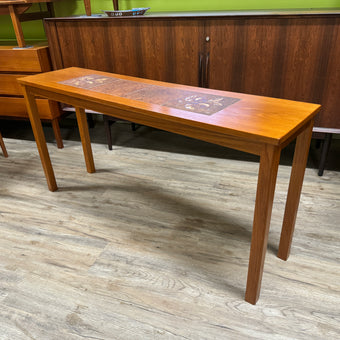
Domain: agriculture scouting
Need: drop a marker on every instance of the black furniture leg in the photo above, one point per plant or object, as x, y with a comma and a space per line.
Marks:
90, 120
324, 152
318, 143
108, 121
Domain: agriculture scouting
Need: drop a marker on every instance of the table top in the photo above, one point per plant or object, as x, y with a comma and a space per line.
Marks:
22, 2
261, 119
34, 45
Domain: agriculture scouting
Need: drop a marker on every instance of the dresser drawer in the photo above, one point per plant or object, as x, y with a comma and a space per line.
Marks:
34, 59
16, 107
9, 85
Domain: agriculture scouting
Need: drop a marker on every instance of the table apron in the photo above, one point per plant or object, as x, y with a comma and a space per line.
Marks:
241, 143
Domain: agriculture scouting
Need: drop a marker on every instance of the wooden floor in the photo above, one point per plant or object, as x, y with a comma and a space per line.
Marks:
155, 245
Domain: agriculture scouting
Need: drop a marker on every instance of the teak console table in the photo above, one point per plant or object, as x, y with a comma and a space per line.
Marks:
289, 54
254, 124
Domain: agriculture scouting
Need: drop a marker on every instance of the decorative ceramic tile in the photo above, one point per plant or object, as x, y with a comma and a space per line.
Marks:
88, 82
200, 102
191, 101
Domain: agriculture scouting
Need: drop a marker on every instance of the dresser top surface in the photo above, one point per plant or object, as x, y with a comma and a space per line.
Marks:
210, 14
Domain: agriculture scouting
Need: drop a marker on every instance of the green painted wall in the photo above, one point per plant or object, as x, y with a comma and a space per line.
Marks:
34, 30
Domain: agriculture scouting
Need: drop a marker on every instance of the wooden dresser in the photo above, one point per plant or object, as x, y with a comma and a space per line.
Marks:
16, 63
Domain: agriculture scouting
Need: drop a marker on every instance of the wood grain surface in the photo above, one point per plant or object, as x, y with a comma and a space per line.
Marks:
252, 119
3, 146
34, 59
9, 84
284, 54
16, 107
139, 251
258, 121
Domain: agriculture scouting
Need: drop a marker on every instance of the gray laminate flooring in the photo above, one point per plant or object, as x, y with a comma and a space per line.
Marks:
155, 245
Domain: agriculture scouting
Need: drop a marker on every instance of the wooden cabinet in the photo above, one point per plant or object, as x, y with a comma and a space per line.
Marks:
169, 50
16, 63
290, 55
166, 50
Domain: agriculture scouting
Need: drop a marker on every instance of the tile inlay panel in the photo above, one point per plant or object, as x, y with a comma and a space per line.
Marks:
192, 101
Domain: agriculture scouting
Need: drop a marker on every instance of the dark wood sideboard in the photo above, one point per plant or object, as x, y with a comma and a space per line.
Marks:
284, 54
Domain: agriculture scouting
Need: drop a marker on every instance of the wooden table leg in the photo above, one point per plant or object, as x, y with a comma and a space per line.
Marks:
39, 136
269, 163
56, 112
57, 133
17, 26
87, 4
85, 139
3, 147
294, 190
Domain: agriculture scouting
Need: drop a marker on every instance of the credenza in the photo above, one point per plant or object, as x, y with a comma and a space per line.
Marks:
283, 54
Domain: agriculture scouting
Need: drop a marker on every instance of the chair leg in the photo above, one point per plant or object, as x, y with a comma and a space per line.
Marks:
317, 143
3, 147
108, 122
90, 120
324, 152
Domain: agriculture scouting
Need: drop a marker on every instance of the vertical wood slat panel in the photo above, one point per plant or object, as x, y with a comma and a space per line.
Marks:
292, 58
55, 49
330, 116
285, 56
136, 48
